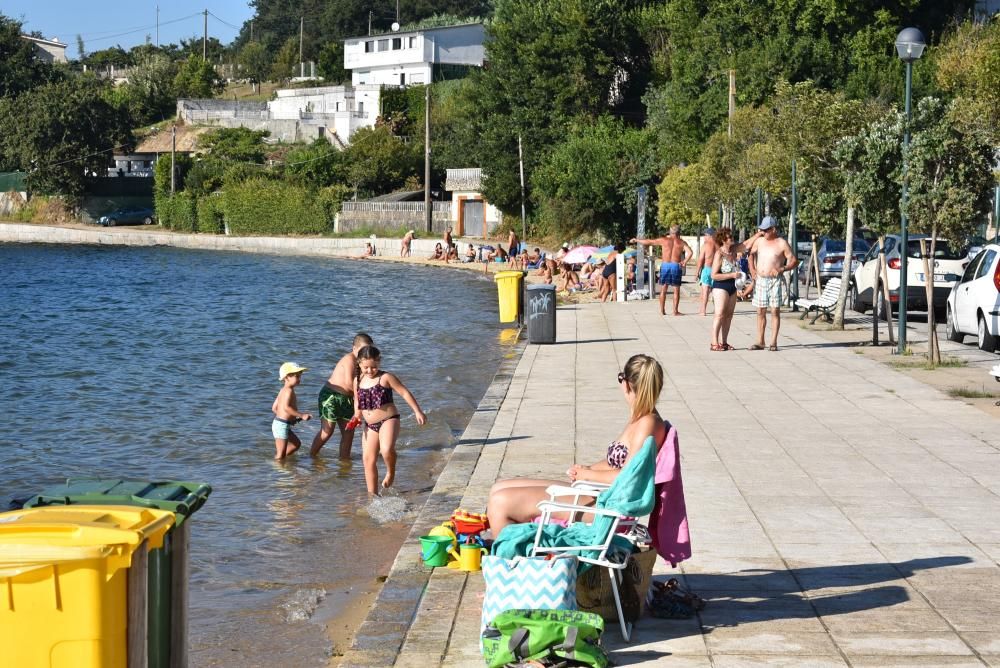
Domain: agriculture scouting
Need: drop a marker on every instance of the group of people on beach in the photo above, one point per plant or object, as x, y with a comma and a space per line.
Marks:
724, 278
357, 392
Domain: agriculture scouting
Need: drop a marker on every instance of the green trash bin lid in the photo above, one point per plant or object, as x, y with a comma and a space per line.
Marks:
182, 498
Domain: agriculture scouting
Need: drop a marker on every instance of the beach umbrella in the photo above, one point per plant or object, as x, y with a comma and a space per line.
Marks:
602, 253
631, 252
579, 254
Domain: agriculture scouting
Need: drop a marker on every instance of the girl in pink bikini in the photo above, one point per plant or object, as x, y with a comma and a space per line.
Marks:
515, 501
373, 400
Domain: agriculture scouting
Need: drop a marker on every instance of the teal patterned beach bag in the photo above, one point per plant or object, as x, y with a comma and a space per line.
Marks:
528, 582
522, 635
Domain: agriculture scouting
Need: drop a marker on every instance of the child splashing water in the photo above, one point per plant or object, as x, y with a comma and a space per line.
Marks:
373, 390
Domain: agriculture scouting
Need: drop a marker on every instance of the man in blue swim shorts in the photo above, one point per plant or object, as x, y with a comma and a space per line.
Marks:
704, 267
676, 253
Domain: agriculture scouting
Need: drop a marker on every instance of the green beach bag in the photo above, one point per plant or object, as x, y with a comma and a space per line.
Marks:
520, 635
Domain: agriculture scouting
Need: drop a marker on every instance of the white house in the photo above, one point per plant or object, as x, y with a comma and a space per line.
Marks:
471, 214
413, 57
49, 50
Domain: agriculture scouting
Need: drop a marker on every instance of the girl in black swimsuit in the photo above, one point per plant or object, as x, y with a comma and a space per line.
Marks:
373, 397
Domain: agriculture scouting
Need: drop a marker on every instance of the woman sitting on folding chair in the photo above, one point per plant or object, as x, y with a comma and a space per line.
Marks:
516, 501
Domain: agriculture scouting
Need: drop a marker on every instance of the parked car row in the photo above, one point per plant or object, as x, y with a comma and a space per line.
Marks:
831, 256
974, 302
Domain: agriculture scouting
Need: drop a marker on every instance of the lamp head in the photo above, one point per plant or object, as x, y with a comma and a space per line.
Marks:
910, 44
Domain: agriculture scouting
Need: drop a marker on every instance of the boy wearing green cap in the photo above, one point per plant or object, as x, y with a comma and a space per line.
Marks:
286, 411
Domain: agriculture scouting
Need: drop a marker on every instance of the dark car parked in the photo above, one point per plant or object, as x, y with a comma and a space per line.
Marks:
128, 217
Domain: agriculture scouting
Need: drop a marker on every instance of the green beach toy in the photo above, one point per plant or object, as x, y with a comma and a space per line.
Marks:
434, 550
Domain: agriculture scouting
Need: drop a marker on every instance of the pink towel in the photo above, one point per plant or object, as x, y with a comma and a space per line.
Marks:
668, 522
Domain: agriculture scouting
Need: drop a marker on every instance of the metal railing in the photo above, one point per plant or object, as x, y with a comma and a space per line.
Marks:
394, 207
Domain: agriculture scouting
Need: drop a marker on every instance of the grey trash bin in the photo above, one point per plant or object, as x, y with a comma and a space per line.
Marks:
540, 312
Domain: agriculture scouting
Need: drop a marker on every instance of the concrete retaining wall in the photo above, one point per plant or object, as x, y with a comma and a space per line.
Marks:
28, 233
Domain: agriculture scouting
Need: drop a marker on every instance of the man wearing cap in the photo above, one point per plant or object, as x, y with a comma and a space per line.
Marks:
704, 267
770, 256
675, 254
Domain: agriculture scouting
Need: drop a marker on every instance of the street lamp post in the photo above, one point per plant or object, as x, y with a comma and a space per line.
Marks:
910, 46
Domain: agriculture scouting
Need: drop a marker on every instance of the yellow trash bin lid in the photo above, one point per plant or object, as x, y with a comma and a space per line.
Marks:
506, 275
84, 526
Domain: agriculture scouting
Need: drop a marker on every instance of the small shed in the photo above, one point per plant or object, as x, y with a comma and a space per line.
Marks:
472, 215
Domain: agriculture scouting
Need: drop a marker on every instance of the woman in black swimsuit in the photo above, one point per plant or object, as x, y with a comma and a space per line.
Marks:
516, 500
725, 271
373, 400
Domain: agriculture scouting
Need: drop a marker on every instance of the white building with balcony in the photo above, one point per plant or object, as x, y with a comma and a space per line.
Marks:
413, 57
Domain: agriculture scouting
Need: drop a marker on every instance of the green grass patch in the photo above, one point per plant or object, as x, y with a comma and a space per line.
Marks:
967, 393
925, 365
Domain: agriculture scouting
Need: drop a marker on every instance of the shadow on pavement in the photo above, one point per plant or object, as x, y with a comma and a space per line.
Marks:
574, 343
756, 596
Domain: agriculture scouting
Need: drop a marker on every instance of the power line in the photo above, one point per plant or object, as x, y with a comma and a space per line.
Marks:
225, 23
142, 29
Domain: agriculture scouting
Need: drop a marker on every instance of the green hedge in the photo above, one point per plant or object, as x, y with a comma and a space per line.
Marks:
266, 207
210, 218
177, 212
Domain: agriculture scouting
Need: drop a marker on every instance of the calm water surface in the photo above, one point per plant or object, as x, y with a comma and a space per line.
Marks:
162, 363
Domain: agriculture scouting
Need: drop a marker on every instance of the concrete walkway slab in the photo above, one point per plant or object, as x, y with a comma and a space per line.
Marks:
842, 512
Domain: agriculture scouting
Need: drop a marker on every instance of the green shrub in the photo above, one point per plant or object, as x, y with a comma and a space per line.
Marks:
210, 215
264, 207
177, 212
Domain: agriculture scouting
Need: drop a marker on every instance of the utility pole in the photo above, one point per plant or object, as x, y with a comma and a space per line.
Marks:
427, 158
520, 162
302, 23
173, 167
397, 11
204, 39
251, 30
369, 23
157, 26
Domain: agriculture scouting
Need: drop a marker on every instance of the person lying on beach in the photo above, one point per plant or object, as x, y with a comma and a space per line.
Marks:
515, 501
336, 401
286, 412
373, 390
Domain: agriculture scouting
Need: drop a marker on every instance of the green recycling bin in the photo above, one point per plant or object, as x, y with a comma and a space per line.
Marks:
168, 568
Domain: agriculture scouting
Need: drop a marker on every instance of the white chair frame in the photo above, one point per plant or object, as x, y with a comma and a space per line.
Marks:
576, 509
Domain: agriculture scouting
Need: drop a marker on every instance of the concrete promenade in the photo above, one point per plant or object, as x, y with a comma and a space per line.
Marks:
842, 513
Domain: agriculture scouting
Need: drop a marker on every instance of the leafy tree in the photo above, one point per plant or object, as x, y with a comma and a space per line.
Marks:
21, 68
255, 62
114, 56
318, 164
950, 184
968, 68
378, 162
685, 197
593, 175
213, 49
550, 62
59, 132
148, 95
330, 62
196, 78
286, 61
205, 176
237, 144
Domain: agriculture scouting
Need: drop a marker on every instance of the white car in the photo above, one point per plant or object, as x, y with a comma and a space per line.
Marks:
974, 302
866, 286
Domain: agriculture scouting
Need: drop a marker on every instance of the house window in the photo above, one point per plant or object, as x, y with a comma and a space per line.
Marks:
383, 45
413, 42
397, 43
362, 78
369, 46
338, 107
361, 107
402, 78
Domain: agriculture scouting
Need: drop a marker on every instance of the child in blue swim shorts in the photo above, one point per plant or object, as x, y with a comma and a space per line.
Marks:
286, 412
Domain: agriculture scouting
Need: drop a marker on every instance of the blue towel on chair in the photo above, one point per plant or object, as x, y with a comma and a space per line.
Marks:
631, 494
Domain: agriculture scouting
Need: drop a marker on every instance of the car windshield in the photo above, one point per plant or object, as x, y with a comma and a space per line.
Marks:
942, 250
860, 245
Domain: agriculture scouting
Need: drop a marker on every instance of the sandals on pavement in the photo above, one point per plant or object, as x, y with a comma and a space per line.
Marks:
756, 346
728, 347
715, 347
773, 349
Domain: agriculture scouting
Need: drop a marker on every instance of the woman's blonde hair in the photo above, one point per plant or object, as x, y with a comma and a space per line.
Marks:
645, 376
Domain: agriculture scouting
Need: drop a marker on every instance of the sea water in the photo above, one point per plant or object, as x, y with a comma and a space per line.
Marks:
162, 363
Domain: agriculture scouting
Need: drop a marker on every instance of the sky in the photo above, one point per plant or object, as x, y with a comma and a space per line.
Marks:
105, 23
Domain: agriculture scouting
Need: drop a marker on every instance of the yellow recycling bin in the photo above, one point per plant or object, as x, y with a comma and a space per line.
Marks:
70, 598
509, 292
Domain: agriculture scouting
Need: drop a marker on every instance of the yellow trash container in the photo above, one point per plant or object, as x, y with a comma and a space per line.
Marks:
509, 292
70, 596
